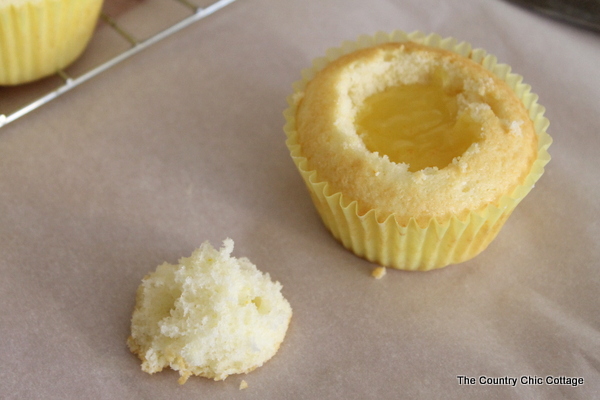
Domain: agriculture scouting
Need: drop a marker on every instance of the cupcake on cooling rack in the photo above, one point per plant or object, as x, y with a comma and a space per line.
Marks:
415, 149
40, 37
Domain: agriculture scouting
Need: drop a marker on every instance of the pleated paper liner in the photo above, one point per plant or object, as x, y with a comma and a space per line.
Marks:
40, 37
411, 246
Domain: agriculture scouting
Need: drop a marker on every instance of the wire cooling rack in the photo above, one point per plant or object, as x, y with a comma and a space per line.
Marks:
154, 21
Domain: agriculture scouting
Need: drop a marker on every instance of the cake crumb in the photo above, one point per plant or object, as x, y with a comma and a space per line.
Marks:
515, 128
184, 317
419, 176
379, 272
243, 384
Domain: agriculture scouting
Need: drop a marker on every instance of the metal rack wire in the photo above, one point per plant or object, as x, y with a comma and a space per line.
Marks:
69, 82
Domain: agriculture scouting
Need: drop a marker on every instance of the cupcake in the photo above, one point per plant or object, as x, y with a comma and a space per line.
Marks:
415, 149
40, 37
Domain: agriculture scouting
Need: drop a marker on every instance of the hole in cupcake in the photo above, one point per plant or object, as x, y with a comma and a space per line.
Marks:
417, 124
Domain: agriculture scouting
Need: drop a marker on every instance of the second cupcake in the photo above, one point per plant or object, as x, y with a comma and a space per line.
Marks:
40, 37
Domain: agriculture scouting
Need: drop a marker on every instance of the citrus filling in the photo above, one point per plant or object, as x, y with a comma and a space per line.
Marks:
417, 124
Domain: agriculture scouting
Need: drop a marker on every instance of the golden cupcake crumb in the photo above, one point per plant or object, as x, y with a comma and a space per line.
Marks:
379, 272
243, 384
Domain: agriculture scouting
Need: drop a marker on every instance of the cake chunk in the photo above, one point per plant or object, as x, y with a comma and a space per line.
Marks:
212, 315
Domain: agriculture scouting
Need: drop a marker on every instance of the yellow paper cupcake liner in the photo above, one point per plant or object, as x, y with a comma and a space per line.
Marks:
411, 246
40, 37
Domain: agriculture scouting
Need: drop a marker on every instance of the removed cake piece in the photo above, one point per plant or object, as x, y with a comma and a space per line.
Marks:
212, 315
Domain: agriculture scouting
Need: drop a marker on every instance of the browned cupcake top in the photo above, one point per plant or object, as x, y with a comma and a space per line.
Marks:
414, 131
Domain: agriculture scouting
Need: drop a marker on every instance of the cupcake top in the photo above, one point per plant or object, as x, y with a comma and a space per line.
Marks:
414, 131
